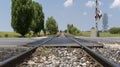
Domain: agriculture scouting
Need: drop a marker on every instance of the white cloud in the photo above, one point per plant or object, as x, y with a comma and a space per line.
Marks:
92, 3
84, 13
68, 3
115, 4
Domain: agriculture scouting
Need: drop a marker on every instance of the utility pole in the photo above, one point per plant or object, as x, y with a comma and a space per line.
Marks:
97, 17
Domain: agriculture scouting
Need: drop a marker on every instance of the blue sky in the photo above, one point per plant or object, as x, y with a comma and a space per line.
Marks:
77, 12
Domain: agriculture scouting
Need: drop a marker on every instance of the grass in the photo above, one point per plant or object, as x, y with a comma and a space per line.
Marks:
102, 34
9, 34
14, 34
86, 34
107, 34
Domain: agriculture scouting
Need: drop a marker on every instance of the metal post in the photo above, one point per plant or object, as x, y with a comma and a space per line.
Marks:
97, 18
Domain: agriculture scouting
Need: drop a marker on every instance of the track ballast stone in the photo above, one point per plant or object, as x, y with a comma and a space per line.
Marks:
59, 57
8, 52
112, 54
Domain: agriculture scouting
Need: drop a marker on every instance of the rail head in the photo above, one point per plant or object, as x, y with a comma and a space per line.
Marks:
13, 61
99, 58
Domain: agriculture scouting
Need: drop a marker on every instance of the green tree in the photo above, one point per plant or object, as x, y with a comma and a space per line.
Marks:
38, 18
69, 27
51, 25
73, 30
114, 30
21, 16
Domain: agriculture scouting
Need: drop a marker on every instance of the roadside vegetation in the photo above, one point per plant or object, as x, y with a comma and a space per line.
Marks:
51, 26
22, 15
14, 34
9, 34
108, 34
102, 34
27, 20
112, 32
73, 30
27, 16
84, 34
115, 30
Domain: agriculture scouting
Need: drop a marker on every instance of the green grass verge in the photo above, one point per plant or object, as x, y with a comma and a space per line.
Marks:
102, 34
86, 34
107, 34
14, 34
9, 34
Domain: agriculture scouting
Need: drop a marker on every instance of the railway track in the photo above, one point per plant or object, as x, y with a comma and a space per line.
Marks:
14, 60
59, 52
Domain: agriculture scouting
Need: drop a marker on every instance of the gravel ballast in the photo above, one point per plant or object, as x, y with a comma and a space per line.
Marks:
112, 54
7, 52
59, 57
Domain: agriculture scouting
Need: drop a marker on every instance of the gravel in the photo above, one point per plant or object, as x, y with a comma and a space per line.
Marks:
59, 57
112, 54
7, 52
110, 50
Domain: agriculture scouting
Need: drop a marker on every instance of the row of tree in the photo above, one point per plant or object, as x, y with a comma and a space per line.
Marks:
51, 25
38, 19
115, 30
22, 14
27, 15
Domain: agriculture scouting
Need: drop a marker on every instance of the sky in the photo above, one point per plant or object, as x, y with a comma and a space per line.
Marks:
80, 13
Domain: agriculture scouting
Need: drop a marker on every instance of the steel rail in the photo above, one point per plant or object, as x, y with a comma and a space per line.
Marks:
13, 61
99, 58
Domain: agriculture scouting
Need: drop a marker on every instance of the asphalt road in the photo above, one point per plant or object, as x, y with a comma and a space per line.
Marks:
13, 42
61, 41
110, 40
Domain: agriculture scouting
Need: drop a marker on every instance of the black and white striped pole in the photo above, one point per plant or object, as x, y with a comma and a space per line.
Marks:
97, 17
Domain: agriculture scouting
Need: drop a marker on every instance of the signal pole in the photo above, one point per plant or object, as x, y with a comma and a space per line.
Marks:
97, 18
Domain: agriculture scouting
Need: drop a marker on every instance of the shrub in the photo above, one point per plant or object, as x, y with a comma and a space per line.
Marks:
73, 30
114, 30
6, 35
